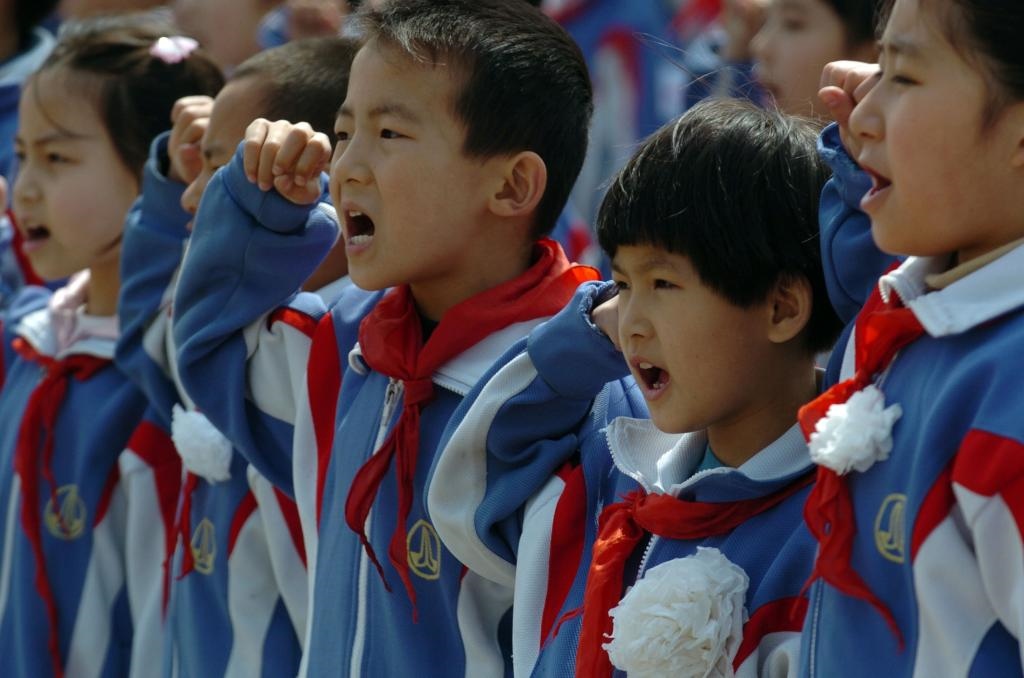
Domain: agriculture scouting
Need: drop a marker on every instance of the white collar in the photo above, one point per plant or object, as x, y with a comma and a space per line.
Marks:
62, 327
991, 291
663, 463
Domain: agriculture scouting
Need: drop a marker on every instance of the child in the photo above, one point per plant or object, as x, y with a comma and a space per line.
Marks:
238, 603
799, 37
83, 518
720, 310
228, 29
915, 506
461, 135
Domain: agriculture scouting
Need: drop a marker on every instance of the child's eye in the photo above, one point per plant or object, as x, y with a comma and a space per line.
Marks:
340, 136
621, 286
56, 158
896, 78
20, 155
660, 284
389, 134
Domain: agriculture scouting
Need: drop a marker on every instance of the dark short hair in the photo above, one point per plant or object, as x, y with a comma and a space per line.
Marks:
30, 13
735, 189
302, 80
525, 85
860, 19
133, 91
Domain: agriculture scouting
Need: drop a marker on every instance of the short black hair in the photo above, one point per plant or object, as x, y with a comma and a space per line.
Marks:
302, 80
525, 83
30, 13
735, 189
133, 90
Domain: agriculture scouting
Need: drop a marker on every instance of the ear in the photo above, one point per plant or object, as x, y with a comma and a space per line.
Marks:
789, 308
521, 185
1014, 121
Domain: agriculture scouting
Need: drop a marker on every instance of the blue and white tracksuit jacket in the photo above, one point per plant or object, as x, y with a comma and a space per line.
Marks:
939, 523
115, 480
250, 251
241, 611
505, 501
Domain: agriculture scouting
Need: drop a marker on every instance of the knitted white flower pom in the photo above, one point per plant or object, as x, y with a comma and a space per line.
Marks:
855, 434
683, 618
203, 449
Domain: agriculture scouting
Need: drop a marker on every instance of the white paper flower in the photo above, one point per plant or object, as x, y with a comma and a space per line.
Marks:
855, 434
203, 449
684, 618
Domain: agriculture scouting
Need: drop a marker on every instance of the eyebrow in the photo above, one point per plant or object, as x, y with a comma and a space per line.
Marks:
57, 136
901, 46
652, 263
395, 109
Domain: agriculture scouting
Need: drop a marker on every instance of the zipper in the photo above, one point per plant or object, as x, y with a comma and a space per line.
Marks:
394, 388
646, 556
814, 619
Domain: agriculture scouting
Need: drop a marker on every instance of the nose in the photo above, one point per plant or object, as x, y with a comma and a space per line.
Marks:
761, 41
26, 189
349, 165
634, 322
866, 120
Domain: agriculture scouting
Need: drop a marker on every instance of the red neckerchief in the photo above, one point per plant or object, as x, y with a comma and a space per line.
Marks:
392, 344
882, 330
34, 450
623, 525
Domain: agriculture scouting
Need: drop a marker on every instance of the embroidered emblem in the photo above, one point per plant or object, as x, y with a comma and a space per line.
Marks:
204, 546
890, 533
67, 521
424, 547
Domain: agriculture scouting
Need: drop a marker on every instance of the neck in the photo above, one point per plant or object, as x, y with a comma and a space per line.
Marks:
104, 286
489, 267
764, 419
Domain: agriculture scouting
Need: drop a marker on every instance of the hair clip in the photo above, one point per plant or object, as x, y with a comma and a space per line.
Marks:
174, 49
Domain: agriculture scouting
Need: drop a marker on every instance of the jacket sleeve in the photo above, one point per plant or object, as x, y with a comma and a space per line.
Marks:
513, 432
849, 256
242, 331
154, 236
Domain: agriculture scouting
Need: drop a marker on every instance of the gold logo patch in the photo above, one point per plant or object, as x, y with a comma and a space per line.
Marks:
67, 521
204, 546
424, 547
890, 528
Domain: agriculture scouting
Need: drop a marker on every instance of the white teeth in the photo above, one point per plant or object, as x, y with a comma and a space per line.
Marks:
355, 214
360, 239
645, 366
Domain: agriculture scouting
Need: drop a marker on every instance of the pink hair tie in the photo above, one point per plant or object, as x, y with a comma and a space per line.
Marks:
174, 49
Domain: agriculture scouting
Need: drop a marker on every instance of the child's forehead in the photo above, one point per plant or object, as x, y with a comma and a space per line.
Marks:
402, 69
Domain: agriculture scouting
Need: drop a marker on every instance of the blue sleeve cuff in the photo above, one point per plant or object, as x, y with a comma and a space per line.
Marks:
848, 180
269, 208
572, 354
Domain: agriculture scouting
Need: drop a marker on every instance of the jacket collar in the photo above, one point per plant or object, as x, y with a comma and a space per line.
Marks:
664, 463
993, 290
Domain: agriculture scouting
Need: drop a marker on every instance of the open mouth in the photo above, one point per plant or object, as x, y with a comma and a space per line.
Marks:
359, 228
878, 182
36, 233
653, 378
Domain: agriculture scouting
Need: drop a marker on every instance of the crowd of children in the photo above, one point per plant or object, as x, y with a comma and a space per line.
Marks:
304, 386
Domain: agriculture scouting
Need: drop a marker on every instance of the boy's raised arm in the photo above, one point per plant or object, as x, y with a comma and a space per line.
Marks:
242, 332
154, 236
521, 423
